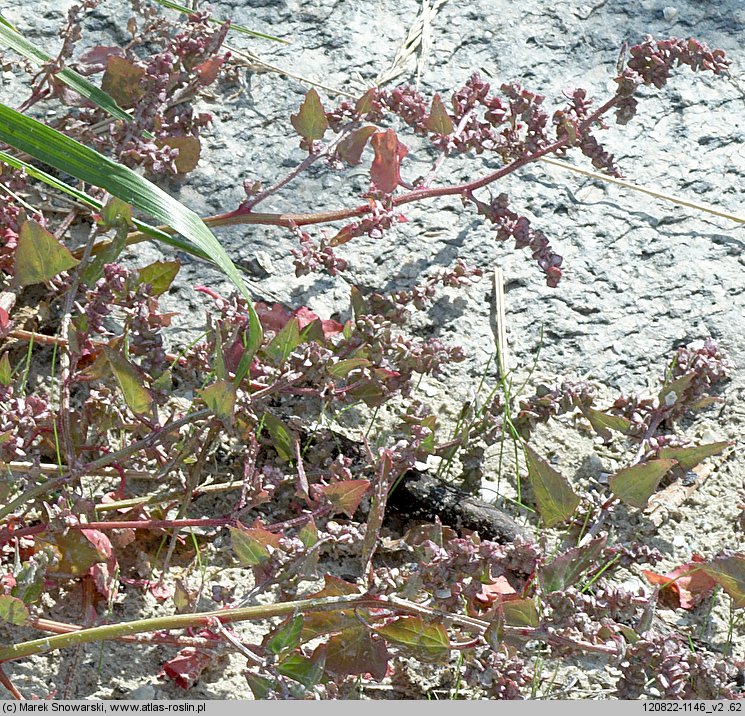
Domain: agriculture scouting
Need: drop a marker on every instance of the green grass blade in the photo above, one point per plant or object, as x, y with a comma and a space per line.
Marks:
71, 78
65, 154
95, 204
3, 21
238, 28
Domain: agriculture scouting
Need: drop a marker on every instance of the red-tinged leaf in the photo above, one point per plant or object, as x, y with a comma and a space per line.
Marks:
688, 457
159, 275
686, 586
345, 366
105, 578
209, 69
554, 496
318, 623
189, 151
354, 652
497, 591
5, 322
728, 571
187, 666
160, 590
252, 545
385, 171
438, 120
437, 533
310, 121
308, 534
635, 485
39, 256
284, 637
131, 381
122, 81
366, 103
273, 317
351, 147
345, 496
603, 423
428, 640
76, 553
520, 613
282, 439
100, 541
220, 399
566, 569
13, 610
671, 392
94, 60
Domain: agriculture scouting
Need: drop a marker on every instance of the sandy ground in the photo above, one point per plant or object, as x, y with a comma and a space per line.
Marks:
641, 275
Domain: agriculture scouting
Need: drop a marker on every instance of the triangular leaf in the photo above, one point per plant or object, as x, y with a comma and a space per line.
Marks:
688, 457
429, 640
252, 544
39, 256
345, 496
286, 636
602, 423
635, 485
310, 121
554, 496
220, 399
438, 120
671, 392
520, 613
354, 652
565, 569
13, 610
304, 670
351, 147
729, 572
131, 381
159, 275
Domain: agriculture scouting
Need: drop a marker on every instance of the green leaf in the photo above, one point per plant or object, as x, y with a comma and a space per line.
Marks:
13, 610
54, 148
131, 381
310, 121
281, 436
346, 366
345, 496
603, 423
729, 572
288, 635
566, 569
438, 120
69, 77
671, 392
159, 275
308, 534
39, 256
429, 640
304, 670
555, 498
238, 28
251, 544
260, 686
286, 341
6, 372
520, 613
220, 399
689, 457
635, 485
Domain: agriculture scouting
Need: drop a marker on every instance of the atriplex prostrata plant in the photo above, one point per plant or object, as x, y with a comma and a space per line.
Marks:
75, 445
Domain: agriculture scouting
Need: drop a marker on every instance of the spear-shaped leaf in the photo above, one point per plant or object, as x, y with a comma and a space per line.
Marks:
635, 485
39, 256
310, 121
554, 495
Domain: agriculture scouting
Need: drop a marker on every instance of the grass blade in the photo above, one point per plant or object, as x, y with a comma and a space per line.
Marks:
65, 154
